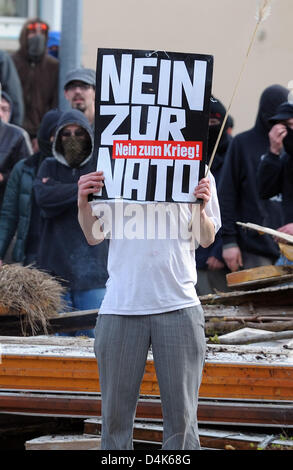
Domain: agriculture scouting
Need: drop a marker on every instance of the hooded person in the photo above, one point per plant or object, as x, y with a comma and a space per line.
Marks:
211, 268
275, 171
10, 84
238, 193
6, 113
53, 43
38, 73
14, 146
19, 213
64, 251
6, 107
217, 115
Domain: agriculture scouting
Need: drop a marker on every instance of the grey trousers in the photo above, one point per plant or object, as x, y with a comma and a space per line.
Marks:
178, 345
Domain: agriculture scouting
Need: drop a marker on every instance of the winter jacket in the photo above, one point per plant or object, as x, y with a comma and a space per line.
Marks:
16, 213
10, 83
275, 176
20, 214
215, 250
13, 147
64, 251
237, 189
39, 83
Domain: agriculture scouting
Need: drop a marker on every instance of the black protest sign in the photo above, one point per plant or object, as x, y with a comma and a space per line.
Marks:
151, 126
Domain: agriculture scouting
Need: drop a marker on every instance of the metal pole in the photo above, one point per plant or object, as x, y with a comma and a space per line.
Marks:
71, 43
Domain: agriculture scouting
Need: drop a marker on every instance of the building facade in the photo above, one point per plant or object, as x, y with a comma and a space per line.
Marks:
221, 28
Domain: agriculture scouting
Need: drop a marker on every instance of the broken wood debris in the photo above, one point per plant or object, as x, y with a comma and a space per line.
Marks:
260, 229
249, 336
224, 439
11, 325
221, 319
64, 442
279, 296
277, 414
259, 276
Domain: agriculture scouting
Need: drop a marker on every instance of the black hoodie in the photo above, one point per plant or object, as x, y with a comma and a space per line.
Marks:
238, 192
218, 111
64, 251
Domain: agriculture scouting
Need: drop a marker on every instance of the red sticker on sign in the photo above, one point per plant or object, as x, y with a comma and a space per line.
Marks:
154, 149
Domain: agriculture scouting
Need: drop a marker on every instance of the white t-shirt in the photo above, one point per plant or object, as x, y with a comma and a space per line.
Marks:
151, 262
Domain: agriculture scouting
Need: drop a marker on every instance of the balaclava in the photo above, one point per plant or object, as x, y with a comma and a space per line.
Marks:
75, 149
217, 111
36, 46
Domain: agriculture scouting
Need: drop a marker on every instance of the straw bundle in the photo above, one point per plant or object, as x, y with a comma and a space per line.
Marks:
34, 295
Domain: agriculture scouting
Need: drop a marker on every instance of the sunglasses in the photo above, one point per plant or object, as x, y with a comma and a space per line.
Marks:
77, 133
74, 85
37, 26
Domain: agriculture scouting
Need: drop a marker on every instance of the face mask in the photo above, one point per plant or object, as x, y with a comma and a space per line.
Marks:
36, 47
212, 139
75, 150
288, 141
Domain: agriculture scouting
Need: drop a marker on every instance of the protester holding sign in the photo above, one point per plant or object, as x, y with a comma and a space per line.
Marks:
150, 300
148, 207
152, 114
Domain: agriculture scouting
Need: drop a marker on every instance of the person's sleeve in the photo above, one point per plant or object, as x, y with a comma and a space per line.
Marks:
212, 208
10, 209
270, 175
19, 151
217, 246
12, 85
228, 187
53, 197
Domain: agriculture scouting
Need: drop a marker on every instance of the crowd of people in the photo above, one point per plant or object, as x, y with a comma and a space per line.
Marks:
252, 172
46, 174
43, 154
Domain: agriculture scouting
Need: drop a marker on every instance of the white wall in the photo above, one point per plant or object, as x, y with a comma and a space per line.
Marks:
222, 28
51, 12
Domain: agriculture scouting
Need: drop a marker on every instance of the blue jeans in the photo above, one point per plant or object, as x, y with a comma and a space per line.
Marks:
83, 300
283, 261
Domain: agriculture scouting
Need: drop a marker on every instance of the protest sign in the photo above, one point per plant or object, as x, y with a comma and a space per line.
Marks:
151, 125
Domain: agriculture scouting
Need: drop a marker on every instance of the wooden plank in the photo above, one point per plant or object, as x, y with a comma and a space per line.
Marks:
224, 439
286, 250
69, 364
261, 273
10, 324
219, 380
275, 233
246, 311
212, 411
253, 335
278, 296
64, 442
